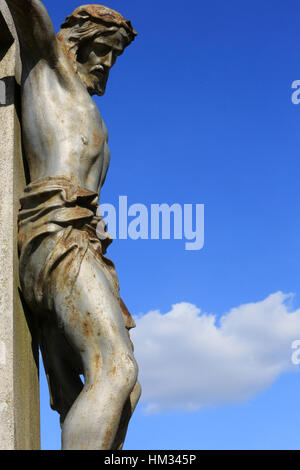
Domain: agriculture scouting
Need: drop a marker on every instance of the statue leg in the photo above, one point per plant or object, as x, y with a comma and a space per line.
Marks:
134, 397
63, 368
92, 321
62, 365
128, 410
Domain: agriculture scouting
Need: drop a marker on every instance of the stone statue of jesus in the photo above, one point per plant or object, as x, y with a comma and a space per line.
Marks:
67, 282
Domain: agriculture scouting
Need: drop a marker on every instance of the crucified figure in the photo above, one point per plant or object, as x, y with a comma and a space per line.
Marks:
67, 282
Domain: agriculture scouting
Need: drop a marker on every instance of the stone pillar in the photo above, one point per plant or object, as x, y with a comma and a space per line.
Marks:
19, 378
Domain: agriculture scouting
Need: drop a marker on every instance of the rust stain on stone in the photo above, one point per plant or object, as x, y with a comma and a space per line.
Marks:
97, 139
86, 329
113, 371
129, 322
97, 361
107, 439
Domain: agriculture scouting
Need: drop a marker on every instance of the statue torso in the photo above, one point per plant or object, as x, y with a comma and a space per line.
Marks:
63, 132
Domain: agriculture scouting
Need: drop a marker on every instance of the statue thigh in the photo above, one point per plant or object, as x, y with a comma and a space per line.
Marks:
86, 334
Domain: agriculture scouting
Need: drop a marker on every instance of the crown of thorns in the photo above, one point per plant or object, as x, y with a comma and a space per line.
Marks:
99, 14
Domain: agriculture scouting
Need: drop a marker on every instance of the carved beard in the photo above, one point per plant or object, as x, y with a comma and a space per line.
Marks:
95, 85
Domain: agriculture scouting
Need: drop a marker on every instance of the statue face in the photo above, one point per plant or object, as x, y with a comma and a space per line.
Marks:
95, 59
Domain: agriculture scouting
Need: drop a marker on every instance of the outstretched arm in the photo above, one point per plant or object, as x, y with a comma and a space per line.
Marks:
35, 30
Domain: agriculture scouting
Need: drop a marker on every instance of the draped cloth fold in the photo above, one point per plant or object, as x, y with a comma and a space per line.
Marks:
57, 225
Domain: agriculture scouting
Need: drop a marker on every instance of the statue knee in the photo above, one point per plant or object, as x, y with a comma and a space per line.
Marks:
126, 371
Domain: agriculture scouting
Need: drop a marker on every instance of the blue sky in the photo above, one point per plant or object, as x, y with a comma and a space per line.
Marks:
199, 111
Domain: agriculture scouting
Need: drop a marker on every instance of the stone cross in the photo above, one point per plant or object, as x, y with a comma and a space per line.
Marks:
19, 379
69, 302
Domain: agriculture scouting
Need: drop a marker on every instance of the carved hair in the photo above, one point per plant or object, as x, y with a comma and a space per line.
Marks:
90, 21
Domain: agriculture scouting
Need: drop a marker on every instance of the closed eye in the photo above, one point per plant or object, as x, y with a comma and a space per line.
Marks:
101, 50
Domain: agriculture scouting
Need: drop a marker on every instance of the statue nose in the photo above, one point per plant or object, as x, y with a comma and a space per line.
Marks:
108, 59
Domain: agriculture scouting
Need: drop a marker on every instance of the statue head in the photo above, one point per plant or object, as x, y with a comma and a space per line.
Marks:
94, 37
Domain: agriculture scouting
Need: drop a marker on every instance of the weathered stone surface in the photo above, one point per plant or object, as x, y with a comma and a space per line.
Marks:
67, 282
19, 387
66, 279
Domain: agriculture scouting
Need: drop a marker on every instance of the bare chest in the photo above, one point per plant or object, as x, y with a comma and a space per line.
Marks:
64, 132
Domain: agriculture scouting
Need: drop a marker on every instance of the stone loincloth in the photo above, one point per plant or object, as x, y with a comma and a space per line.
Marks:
57, 226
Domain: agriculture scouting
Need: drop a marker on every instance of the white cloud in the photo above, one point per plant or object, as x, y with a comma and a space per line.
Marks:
188, 361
